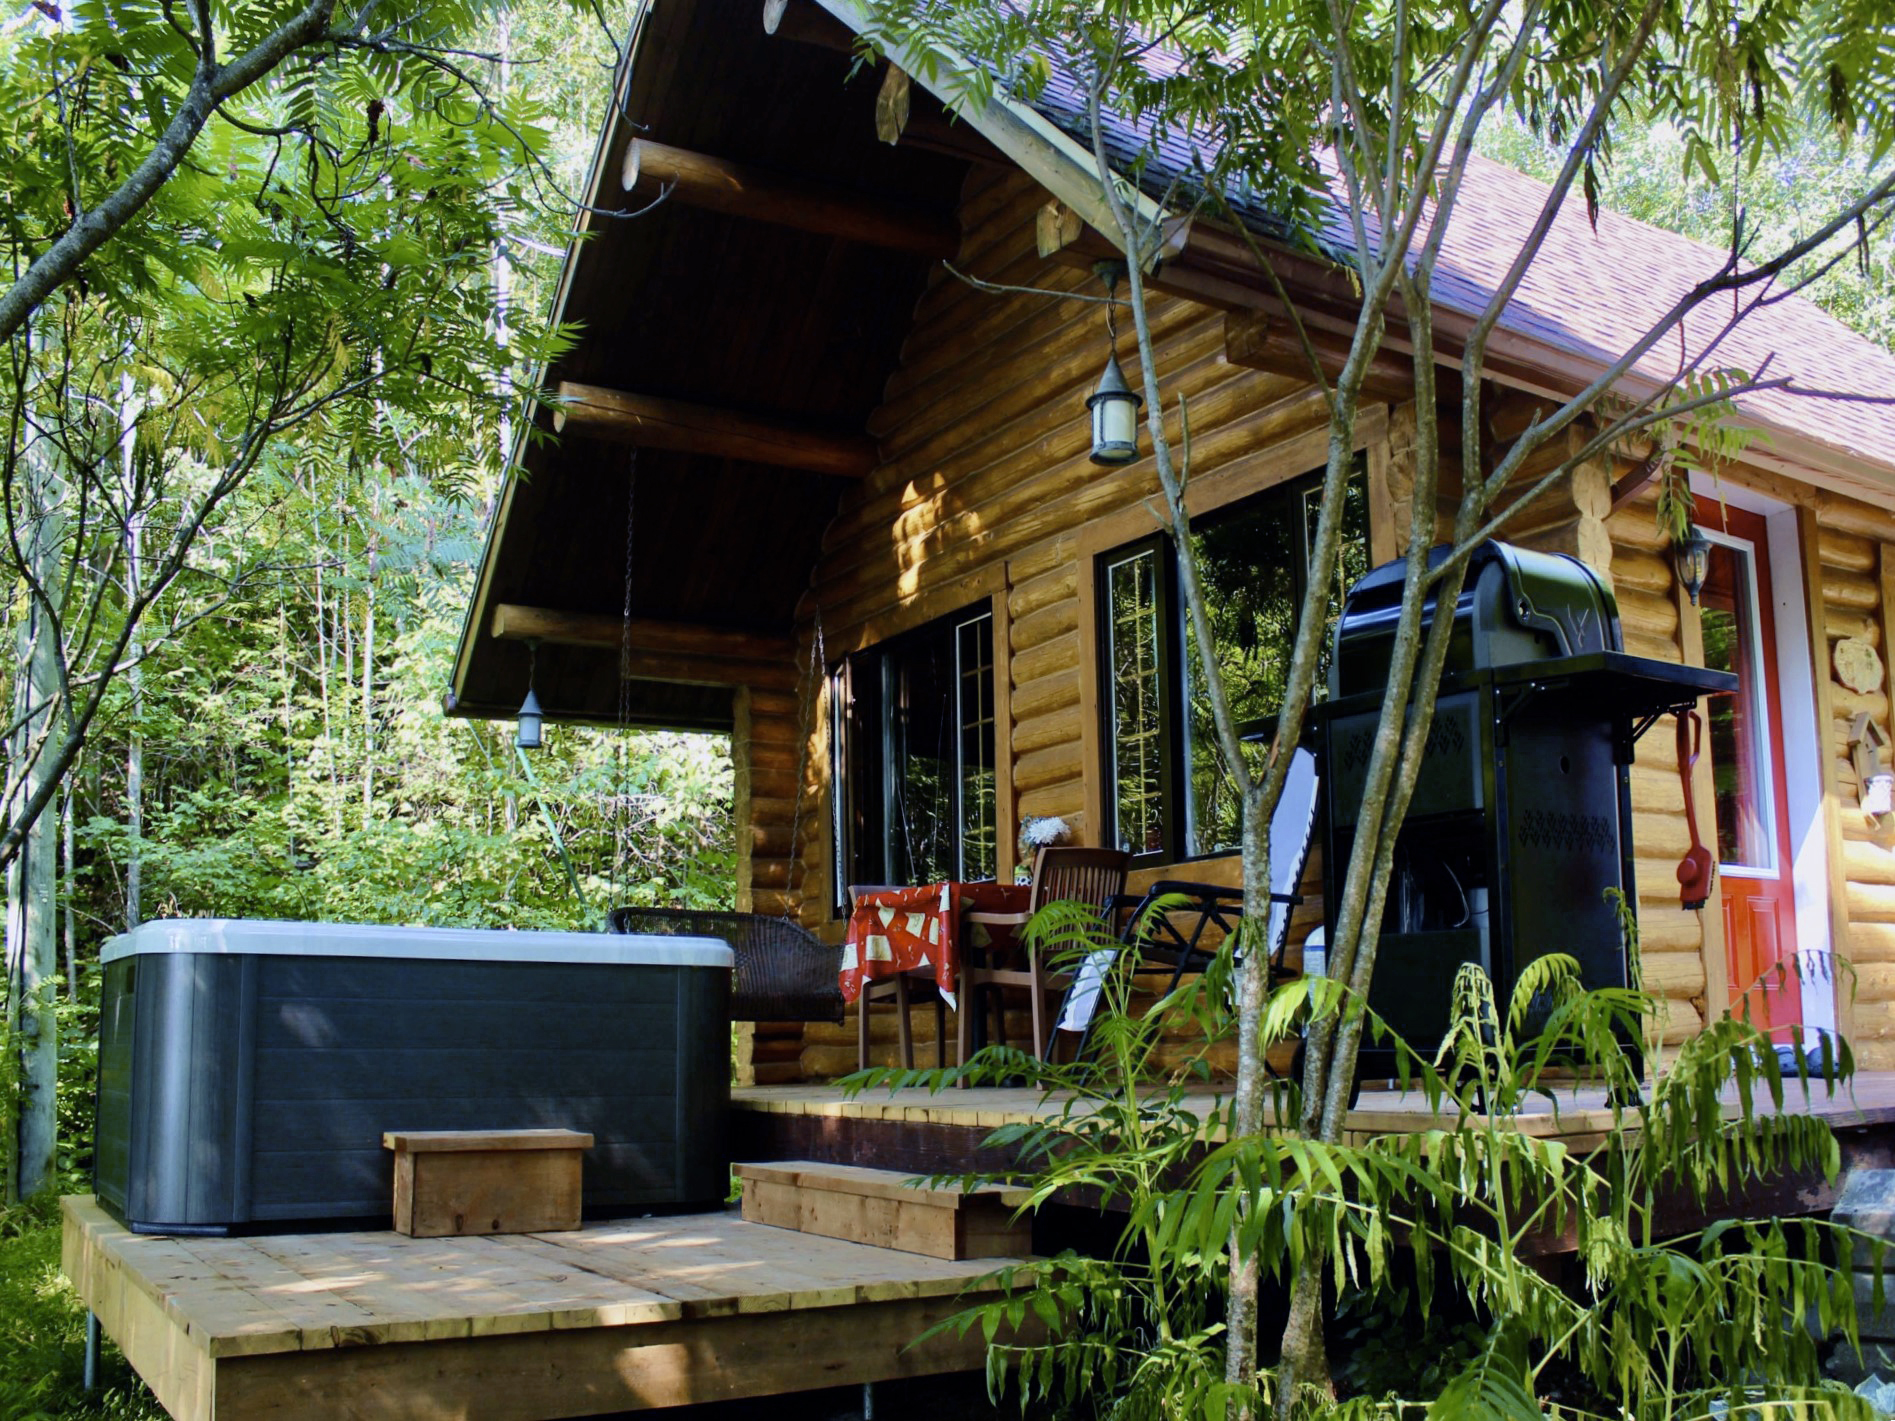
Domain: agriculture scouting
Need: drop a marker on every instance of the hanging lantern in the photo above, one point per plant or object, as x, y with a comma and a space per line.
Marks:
1114, 404
1691, 556
527, 733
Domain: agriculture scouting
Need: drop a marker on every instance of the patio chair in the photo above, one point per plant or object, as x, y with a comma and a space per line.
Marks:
1177, 938
901, 990
1094, 877
784, 972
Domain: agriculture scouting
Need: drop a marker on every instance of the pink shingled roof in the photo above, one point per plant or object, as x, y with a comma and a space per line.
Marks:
1592, 293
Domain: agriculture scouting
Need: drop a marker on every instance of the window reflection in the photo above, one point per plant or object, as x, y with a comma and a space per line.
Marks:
1734, 722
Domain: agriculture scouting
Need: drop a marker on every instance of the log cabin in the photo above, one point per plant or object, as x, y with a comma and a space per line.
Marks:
823, 431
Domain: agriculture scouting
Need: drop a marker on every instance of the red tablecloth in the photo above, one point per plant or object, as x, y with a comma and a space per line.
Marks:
896, 930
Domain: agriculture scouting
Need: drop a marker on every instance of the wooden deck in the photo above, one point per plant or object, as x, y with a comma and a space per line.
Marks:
613, 1317
945, 1132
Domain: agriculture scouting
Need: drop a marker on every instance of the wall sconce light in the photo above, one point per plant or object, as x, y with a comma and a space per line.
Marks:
1114, 403
527, 732
1691, 556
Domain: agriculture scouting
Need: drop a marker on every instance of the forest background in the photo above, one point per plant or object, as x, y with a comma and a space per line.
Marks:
277, 747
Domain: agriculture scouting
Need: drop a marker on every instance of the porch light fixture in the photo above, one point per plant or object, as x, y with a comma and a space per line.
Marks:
1114, 404
527, 733
1691, 556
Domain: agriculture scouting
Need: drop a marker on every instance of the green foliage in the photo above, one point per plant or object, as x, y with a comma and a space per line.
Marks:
1442, 1220
41, 1374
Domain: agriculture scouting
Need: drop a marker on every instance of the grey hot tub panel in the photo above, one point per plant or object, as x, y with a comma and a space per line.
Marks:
242, 1087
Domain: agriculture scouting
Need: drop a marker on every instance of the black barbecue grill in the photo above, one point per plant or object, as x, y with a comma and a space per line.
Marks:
1521, 817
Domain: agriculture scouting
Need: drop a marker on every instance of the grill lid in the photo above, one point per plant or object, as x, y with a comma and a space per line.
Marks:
1516, 605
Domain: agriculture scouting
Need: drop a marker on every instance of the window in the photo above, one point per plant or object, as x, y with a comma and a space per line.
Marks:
1171, 794
915, 794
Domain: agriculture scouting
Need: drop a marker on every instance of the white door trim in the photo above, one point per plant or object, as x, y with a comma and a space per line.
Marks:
1802, 765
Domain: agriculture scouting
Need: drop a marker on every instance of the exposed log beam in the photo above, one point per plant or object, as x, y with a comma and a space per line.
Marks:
718, 185
699, 429
1258, 341
651, 650
1631, 485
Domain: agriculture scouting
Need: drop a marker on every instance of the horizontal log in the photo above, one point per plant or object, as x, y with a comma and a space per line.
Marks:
1668, 929
1042, 626
1871, 942
1045, 695
1862, 626
1041, 769
1835, 548
1061, 801
1059, 727
1857, 594
1868, 862
686, 428
1848, 515
1061, 584
1036, 563
1061, 653
1870, 902
1674, 974
1641, 570
1875, 982
757, 194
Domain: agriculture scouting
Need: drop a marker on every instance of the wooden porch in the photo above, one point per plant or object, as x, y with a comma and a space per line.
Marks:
615, 1317
945, 1132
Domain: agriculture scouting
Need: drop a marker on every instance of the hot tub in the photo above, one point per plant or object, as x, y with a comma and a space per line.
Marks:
247, 1070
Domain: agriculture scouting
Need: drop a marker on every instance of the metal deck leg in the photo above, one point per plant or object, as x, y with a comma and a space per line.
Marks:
92, 1352
868, 1401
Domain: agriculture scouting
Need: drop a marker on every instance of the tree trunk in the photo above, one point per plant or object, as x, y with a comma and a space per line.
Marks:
135, 680
32, 878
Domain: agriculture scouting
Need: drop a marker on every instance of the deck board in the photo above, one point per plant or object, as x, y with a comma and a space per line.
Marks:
612, 1317
1573, 1111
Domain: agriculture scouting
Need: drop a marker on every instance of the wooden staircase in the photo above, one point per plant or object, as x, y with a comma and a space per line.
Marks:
887, 1209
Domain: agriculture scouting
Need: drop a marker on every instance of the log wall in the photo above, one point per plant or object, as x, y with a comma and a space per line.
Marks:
985, 491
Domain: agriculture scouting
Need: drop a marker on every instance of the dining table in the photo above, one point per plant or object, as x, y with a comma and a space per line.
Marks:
920, 929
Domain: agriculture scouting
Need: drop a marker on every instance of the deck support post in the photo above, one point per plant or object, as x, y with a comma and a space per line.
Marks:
868, 1401
91, 1371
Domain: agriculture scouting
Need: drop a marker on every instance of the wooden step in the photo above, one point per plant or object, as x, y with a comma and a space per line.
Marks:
887, 1209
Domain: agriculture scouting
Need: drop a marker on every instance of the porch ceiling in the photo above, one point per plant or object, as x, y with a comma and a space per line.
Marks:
743, 315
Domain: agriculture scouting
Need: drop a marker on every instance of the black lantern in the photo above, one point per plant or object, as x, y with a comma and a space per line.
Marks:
1691, 556
1114, 404
527, 734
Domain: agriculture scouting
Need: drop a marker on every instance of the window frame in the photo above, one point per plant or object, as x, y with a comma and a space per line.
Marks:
855, 835
1289, 495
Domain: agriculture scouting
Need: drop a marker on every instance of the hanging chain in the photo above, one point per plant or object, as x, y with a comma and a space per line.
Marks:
621, 828
818, 671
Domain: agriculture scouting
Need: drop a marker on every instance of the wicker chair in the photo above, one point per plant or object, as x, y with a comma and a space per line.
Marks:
783, 972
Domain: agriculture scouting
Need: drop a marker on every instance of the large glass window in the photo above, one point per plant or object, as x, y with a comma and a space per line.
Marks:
1172, 793
915, 766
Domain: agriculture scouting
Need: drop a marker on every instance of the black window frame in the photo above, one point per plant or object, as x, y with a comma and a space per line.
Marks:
1175, 807
863, 797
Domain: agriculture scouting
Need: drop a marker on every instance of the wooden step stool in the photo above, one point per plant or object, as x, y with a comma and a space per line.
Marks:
456, 1182
887, 1209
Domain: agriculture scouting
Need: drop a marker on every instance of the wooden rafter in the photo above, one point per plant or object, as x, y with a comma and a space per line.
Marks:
656, 423
652, 650
719, 185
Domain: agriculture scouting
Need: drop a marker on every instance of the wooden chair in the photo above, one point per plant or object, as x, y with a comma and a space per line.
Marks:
897, 989
1078, 875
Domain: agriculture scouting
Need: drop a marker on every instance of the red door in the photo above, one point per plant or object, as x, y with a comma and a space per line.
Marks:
1745, 745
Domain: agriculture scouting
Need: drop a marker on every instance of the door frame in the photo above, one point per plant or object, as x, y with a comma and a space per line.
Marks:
1795, 721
